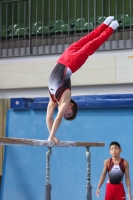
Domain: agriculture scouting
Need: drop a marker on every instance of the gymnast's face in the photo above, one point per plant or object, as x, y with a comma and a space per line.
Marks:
115, 150
69, 112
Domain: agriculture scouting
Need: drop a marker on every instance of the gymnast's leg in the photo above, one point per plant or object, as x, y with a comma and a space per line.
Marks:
90, 36
71, 57
75, 60
93, 45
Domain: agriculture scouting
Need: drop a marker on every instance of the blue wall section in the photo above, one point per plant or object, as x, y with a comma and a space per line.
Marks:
24, 167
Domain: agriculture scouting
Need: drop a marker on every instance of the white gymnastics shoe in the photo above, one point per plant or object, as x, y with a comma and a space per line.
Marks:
108, 20
114, 24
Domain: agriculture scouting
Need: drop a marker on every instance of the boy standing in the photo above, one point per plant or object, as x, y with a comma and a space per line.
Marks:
116, 168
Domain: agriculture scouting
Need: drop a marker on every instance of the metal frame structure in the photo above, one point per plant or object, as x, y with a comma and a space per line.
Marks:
45, 143
26, 42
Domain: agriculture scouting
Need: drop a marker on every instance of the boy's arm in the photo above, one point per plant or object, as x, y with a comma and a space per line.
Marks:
127, 177
58, 119
50, 112
102, 178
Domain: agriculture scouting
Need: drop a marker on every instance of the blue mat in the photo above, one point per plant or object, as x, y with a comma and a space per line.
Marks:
24, 167
86, 101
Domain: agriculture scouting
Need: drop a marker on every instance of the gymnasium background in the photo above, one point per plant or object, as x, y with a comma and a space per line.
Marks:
33, 34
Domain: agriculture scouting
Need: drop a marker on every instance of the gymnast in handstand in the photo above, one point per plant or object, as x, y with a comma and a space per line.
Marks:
69, 62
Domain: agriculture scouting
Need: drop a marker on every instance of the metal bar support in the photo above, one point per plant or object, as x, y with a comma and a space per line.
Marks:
88, 186
48, 185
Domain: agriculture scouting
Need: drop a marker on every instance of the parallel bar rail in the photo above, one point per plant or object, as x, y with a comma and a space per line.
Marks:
34, 142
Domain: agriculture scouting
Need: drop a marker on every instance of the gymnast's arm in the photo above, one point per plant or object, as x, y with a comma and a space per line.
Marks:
50, 112
127, 178
103, 176
63, 105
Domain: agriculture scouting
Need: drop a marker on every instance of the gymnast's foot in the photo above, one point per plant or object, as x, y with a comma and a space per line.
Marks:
114, 24
108, 20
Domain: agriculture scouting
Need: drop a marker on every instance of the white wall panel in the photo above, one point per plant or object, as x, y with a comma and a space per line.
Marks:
96, 71
104, 67
124, 70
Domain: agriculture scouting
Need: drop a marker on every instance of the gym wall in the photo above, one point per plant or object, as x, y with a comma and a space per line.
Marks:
104, 67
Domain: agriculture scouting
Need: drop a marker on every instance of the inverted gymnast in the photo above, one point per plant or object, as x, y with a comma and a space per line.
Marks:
69, 62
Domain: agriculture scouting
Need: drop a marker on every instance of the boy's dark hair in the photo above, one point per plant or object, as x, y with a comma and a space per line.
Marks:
74, 109
115, 143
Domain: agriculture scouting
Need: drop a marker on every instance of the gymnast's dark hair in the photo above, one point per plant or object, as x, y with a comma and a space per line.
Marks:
74, 109
115, 143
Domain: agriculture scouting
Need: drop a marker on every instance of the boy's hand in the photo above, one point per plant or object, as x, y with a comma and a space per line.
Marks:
129, 196
53, 140
97, 193
56, 140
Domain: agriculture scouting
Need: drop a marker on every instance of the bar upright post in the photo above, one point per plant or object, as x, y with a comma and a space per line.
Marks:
48, 185
88, 186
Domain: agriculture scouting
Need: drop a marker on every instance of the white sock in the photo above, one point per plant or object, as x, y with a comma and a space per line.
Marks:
108, 20
114, 24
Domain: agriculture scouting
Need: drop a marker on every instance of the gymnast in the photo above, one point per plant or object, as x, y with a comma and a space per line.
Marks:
70, 61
